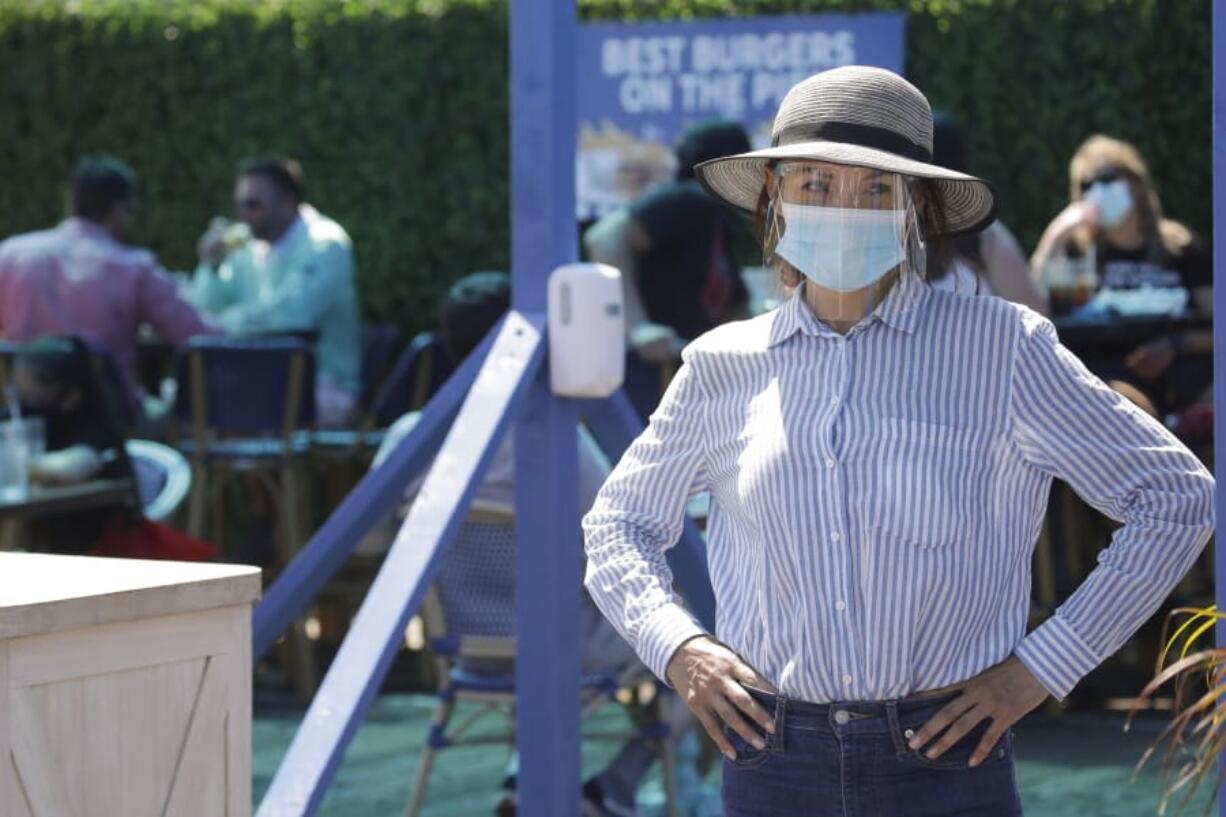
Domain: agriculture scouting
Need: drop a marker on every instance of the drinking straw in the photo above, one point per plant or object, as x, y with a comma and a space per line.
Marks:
14, 405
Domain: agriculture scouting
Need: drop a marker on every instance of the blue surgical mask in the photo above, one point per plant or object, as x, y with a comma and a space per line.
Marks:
842, 249
1113, 200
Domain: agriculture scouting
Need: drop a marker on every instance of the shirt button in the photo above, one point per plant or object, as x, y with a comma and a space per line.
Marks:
841, 717
834, 401
830, 463
835, 537
847, 679
840, 605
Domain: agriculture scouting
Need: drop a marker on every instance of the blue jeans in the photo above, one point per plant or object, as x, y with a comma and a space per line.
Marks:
852, 760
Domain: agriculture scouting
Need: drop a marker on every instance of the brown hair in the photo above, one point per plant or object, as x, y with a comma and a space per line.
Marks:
1163, 237
929, 204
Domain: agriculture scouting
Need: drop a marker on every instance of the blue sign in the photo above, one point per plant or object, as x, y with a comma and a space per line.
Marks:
642, 84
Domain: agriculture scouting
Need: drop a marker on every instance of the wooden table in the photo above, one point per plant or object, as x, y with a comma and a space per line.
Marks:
126, 687
42, 500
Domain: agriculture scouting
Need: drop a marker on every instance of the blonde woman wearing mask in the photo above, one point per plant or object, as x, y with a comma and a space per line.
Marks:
1115, 222
879, 455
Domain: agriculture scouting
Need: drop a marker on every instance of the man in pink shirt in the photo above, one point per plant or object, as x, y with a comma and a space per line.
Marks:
79, 279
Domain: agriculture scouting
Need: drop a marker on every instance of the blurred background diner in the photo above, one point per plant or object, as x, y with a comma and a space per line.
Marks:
290, 271
1113, 253
205, 345
80, 278
675, 245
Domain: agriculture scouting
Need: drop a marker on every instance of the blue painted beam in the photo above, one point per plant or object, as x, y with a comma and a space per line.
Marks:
543, 139
375, 496
615, 424
378, 630
548, 546
1219, 308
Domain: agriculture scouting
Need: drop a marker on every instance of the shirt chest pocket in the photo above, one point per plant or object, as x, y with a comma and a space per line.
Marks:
929, 483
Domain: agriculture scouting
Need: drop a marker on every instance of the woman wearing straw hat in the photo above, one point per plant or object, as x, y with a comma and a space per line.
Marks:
879, 454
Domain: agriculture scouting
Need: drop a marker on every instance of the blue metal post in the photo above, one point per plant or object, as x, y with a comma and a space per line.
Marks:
375, 496
1219, 303
543, 111
548, 582
378, 630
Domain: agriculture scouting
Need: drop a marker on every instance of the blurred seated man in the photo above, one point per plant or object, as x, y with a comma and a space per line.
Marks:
473, 306
294, 275
80, 279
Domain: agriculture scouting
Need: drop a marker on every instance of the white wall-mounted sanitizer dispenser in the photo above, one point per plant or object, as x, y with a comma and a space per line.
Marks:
587, 330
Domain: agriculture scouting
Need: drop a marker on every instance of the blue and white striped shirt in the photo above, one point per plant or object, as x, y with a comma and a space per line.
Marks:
876, 499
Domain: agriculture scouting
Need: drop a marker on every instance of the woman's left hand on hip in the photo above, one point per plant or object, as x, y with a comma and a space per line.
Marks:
1002, 694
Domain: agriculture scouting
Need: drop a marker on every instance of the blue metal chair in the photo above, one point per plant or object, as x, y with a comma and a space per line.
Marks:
8, 349
249, 404
379, 344
115, 389
420, 371
422, 368
469, 615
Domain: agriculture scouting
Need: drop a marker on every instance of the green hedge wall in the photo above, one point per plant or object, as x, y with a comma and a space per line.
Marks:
398, 109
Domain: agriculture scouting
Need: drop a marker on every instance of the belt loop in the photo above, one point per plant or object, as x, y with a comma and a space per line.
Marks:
781, 723
891, 714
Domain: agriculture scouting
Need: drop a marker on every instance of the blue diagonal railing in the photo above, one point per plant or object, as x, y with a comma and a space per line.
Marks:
375, 496
397, 592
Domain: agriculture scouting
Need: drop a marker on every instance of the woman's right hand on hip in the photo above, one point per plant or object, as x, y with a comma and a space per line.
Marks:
711, 679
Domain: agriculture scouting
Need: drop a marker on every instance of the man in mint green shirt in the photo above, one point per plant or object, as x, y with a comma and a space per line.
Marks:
293, 273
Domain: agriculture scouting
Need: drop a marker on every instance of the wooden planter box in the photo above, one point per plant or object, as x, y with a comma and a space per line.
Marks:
125, 687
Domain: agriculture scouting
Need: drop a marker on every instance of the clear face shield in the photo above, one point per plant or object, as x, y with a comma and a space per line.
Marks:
852, 233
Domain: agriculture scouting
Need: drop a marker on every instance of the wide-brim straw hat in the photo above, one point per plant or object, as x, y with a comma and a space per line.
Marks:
855, 115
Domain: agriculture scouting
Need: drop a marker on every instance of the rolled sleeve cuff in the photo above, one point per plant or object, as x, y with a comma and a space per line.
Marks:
667, 629
1057, 656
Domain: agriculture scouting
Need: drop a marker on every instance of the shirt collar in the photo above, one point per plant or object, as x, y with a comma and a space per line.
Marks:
83, 226
795, 316
903, 306
289, 236
900, 310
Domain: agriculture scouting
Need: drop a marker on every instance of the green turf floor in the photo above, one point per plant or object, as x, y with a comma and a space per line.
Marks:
1076, 765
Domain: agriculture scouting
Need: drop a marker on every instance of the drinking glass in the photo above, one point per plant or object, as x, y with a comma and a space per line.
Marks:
14, 461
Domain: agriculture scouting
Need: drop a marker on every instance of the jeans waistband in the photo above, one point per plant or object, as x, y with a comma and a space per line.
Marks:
850, 716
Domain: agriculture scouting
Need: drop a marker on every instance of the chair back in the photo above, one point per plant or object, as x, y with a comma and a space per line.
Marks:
421, 370
114, 390
473, 597
163, 477
246, 386
379, 344
8, 350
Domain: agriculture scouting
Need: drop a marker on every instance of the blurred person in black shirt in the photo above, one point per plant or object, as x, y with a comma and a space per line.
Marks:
57, 380
673, 246
53, 379
1115, 221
